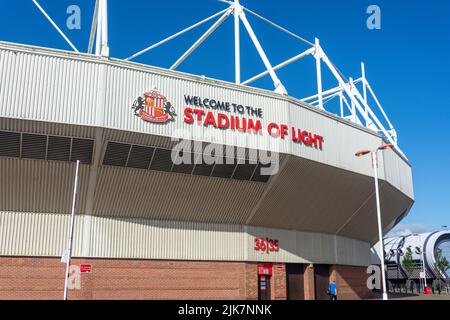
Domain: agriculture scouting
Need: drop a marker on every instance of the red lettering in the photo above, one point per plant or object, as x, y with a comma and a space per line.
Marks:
254, 126
270, 128
223, 121
284, 130
210, 120
188, 118
199, 114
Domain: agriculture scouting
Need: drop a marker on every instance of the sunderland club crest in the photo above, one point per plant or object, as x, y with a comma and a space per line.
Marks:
152, 106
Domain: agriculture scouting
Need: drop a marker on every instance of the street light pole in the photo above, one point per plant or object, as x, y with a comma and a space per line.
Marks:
374, 155
422, 250
380, 231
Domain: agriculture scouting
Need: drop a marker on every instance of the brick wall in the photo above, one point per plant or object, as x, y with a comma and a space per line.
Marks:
279, 290
351, 282
43, 278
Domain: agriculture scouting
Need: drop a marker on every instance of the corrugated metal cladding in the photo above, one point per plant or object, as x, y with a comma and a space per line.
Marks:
39, 234
168, 196
51, 86
34, 187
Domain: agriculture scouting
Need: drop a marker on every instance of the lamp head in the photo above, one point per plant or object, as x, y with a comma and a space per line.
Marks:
362, 153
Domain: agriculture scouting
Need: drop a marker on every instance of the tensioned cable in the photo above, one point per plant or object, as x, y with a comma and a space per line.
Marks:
339, 71
176, 35
278, 27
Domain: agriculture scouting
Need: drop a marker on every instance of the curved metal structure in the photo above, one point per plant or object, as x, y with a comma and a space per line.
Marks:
430, 243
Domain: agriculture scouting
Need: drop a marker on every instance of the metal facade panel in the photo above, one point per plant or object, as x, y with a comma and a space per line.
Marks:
398, 173
125, 85
37, 234
352, 252
58, 129
127, 192
47, 88
45, 234
310, 196
179, 240
342, 141
39, 185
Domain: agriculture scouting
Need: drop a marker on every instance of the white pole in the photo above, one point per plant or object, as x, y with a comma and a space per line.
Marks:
341, 104
279, 88
380, 232
98, 39
237, 44
363, 73
423, 264
72, 227
105, 44
175, 35
281, 65
319, 72
55, 26
201, 39
93, 27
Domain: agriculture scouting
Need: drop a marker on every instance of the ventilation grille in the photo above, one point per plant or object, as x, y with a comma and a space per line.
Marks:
43, 147
160, 159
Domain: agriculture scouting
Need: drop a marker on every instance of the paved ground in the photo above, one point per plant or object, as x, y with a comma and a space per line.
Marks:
421, 297
397, 296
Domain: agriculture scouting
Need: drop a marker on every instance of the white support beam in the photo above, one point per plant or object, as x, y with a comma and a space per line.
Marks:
353, 105
93, 28
281, 65
352, 95
379, 104
318, 56
104, 20
98, 39
341, 104
363, 76
201, 39
329, 91
55, 25
279, 88
176, 34
279, 27
237, 41
346, 103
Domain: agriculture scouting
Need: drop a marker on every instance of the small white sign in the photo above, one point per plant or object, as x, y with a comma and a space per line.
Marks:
422, 275
65, 256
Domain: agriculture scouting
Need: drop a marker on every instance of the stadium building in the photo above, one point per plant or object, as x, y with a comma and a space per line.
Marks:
149, 226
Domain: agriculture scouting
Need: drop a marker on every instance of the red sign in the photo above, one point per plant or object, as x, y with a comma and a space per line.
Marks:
266, 245
265, 269
85, 268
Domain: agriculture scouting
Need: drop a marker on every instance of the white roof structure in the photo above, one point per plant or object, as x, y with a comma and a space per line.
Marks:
353, 94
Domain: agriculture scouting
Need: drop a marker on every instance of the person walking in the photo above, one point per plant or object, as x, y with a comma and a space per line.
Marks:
332, 290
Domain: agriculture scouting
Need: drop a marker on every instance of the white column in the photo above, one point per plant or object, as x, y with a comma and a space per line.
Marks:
98, 37
104, 31
318, 56
279, 88
237, 42
363, 73
353, 104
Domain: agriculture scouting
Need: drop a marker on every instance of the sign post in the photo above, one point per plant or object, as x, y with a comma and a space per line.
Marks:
68, 252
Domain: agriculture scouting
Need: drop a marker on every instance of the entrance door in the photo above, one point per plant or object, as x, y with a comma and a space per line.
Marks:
263, 287
321, 281
295, 281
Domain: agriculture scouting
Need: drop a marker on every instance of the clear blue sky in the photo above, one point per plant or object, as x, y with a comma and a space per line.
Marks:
407, 61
